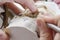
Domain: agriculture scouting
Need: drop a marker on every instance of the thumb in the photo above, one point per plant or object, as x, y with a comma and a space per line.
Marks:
45, 32
28, 3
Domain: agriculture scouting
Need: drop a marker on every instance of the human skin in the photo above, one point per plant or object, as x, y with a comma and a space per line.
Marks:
30, 5
57, 36
3, 35
26, 3
45, 32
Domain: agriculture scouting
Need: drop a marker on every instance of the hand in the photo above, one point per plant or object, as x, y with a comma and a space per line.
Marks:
25, 3
45, 32
28, 3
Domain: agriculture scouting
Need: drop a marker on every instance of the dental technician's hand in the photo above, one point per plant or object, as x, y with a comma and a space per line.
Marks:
45, 32
26, 3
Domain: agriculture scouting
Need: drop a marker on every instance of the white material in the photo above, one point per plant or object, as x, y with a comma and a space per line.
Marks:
1, 22
23, 29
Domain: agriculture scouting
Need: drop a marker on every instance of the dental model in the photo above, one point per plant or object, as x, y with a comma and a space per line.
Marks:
24, 27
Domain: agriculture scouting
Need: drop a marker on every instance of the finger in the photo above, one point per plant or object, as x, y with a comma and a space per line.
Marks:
28, 3
57, 36
48, 19
45, 32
